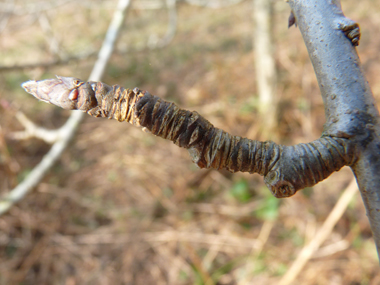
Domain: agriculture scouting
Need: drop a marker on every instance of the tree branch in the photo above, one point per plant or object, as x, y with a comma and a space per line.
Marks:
264, 61
350, 137
62, 58
31, 8
214, 4
171, 29
287, 169
68, 129
57, 61
350, 107
32, 130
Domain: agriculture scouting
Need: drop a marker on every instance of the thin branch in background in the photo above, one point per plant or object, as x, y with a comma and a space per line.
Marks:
214, 4
10, 164
196, 262
110, 39
210, 256
157, 4
323, 233
98, 4
35, 253
227, 210
171, 30
153, 42
148, 5
264, 64
58, 61
34, 131
159, 237
68, 129
31, 8
4, 20
54, 45
172, 23
332, 248
254, 255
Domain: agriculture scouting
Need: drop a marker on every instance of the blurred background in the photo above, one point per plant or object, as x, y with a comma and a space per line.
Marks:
124, 207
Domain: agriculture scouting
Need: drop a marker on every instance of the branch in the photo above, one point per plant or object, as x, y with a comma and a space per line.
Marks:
53, 42
58, 61
264, 63
4, 21
153, 43
31, 8
32, 130
350, 107
287, 169
172, 26
214, 4
68, 129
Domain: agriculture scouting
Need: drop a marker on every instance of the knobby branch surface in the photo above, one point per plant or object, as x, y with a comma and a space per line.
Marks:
286, 168
68, 129
350, 107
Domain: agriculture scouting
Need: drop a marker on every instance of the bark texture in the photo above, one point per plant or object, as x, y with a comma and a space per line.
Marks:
287, 169
350, 107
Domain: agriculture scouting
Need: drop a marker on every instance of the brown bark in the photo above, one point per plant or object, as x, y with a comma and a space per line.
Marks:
287, 169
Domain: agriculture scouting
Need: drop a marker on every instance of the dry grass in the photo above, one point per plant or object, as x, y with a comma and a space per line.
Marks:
123, 207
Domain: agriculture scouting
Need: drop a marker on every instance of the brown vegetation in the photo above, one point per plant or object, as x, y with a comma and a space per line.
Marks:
125, 207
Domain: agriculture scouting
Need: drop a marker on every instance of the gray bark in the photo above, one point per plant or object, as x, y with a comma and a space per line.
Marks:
349, 104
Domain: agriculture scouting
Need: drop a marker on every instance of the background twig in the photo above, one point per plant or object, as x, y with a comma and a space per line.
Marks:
68, 129
325, 231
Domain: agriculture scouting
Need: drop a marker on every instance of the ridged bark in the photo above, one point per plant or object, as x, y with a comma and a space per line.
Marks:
287, 169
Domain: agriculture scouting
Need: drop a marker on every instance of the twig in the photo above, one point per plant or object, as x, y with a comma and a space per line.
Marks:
197, 263
264, 62
153, 43
172, 27
36, 252
264, 235
332, 248
160, 237
4, 21
11, 166
58, 61
31, 8
109, 42
32, 130
68, 129
148, 5
209, 147
228, 210
49, 36
214, 4
326, 229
